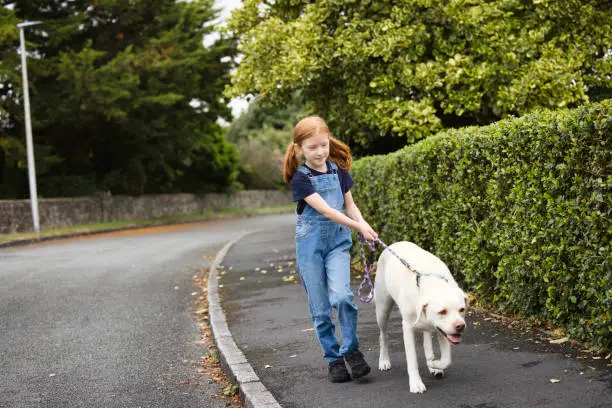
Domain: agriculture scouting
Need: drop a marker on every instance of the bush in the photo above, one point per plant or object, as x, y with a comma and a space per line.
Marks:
67, 186
519, 210
261, 165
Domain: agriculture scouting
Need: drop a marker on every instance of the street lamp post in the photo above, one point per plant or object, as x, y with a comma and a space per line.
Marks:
28, 126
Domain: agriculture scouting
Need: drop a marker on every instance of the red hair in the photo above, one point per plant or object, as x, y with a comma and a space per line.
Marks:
339, 152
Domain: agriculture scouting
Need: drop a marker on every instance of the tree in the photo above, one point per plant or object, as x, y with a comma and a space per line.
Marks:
384, 73
125, 93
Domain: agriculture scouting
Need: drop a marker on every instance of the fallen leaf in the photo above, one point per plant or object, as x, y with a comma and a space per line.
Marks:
195, 293
558, 332
52, 375
559, 341
267, 366
554, 380
257, 269
308, 330
202, 311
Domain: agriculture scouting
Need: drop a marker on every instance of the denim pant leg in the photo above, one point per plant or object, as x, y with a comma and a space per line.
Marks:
337, 264
312, 273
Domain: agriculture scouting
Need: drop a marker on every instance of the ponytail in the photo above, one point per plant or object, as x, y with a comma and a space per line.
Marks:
290, 164
340, 154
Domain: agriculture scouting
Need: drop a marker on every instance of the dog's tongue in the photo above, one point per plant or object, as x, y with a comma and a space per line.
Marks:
454, 338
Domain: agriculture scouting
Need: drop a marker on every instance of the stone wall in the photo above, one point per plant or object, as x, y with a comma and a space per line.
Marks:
16, 215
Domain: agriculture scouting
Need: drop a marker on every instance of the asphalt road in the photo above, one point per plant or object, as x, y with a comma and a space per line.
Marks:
496, 366
107, 321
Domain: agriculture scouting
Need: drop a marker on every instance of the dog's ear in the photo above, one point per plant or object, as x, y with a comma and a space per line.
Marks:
422, 308
466, 297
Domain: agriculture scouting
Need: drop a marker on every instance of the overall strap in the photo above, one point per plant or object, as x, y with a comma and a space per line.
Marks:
333, 166
305, 170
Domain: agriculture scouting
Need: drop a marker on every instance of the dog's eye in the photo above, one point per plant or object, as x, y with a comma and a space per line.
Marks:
462, 310
442, 312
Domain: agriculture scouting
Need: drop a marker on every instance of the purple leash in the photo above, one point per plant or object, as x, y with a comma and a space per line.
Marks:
368, 269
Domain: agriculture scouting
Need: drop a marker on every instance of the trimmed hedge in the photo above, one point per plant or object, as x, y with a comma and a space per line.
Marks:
519, 210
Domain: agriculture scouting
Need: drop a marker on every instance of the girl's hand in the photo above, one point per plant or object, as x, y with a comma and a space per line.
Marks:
367, 231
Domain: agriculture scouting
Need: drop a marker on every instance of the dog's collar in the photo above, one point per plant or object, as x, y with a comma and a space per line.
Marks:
420, 274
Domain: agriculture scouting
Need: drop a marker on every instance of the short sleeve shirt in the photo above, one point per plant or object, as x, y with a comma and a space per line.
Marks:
301, 187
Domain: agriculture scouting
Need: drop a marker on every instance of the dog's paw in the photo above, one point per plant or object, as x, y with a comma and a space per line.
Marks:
437, 365
436, 372
417, 386
384, 364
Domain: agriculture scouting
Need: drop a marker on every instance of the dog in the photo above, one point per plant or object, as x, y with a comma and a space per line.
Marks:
435, 305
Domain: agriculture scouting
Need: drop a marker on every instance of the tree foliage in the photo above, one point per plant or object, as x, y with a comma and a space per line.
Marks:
124, 93
388, 72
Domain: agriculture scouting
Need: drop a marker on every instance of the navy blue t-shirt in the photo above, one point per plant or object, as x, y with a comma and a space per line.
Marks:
301, 186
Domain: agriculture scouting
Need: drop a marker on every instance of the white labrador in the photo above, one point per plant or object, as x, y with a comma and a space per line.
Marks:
435, 307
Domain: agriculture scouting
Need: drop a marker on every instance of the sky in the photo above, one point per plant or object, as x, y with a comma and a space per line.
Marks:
227, 6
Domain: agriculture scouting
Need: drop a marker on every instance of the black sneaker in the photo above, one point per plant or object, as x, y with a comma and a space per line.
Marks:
359, 367
338, 372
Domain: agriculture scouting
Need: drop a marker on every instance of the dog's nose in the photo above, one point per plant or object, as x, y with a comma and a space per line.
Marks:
459, 327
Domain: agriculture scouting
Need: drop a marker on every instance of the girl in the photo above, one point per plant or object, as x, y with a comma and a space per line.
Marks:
322, 187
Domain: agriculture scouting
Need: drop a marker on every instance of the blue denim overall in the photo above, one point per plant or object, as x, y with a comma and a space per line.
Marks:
323, 259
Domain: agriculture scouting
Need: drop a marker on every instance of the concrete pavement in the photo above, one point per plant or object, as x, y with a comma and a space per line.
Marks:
260, 321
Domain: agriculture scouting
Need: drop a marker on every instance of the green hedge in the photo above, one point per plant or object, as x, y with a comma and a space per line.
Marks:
519, 210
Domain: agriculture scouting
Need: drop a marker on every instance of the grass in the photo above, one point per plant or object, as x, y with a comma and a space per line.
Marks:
87, 228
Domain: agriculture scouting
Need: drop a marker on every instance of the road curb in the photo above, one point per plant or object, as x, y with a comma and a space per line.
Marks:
252, 391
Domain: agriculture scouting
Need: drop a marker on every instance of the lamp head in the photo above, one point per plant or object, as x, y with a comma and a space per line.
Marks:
28, 23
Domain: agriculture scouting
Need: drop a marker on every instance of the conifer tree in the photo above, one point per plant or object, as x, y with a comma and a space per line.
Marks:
125, 95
